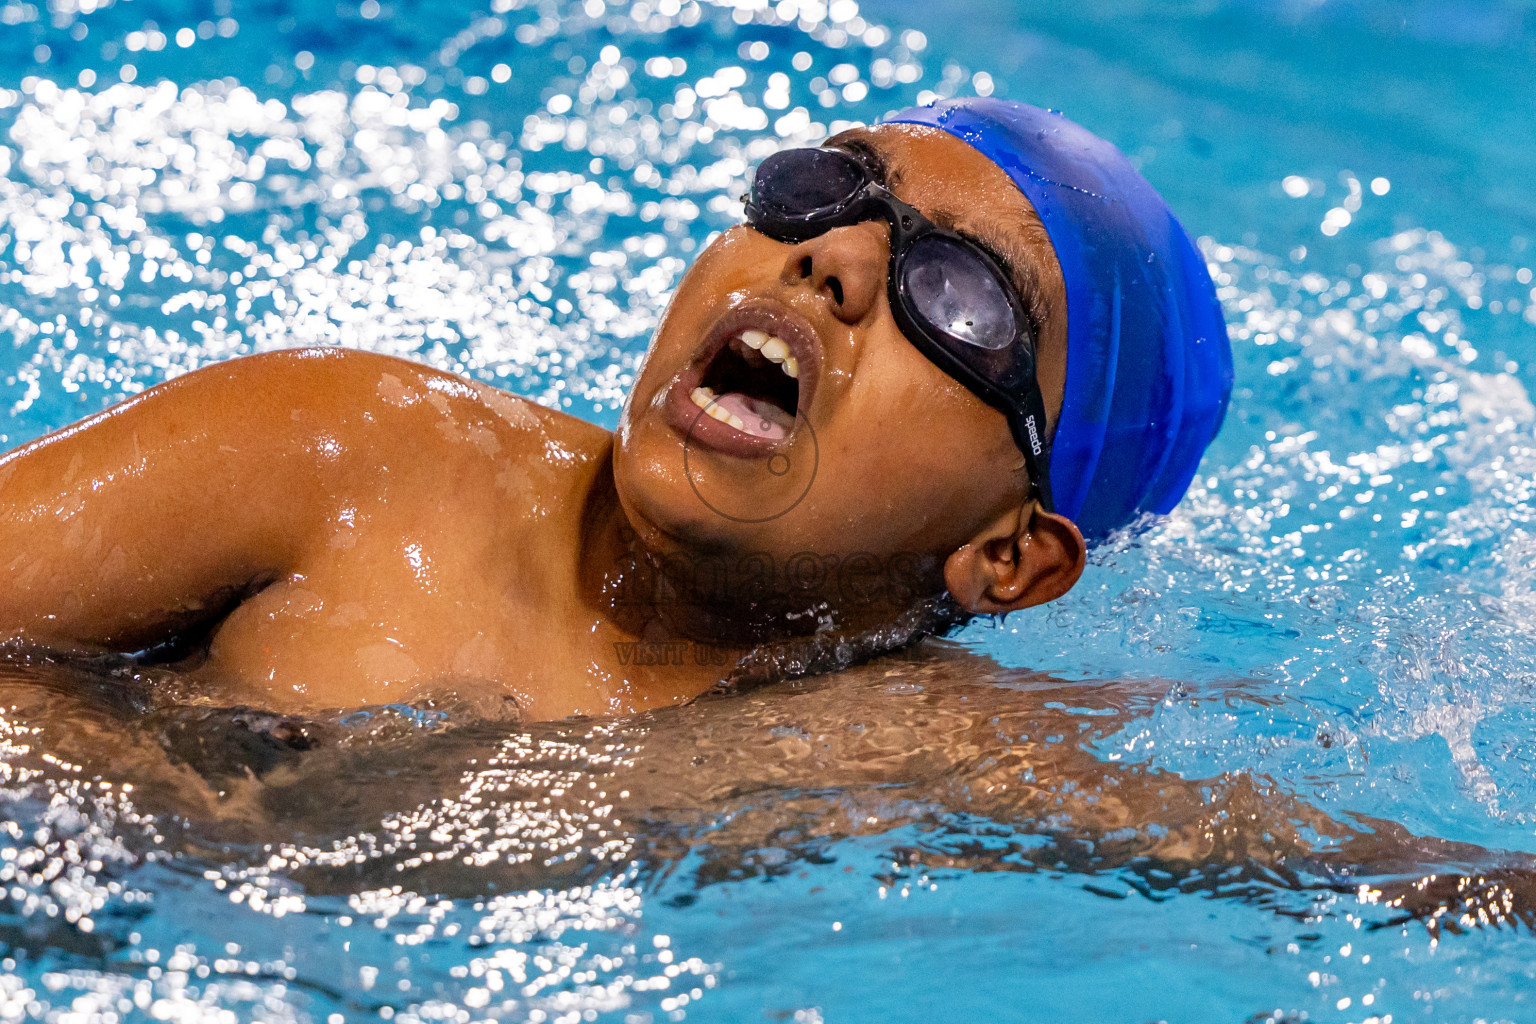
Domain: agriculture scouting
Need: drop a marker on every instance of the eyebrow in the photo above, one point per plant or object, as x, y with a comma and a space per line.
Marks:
1008, 253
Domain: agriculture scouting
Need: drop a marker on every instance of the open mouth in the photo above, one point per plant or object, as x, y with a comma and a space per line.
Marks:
753, 376
753, 385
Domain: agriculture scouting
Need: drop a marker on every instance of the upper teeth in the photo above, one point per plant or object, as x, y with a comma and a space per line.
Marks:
774, 349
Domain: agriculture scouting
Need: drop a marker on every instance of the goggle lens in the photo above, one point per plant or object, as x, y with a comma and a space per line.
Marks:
799, 183
957, 294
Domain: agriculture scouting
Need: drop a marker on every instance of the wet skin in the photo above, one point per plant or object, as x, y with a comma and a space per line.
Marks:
324, 528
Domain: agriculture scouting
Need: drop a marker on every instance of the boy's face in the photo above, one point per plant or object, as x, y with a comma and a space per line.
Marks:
868, 449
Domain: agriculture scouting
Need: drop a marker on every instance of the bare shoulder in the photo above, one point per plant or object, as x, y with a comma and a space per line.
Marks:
252, 399
326, 417
345, 385
332, 399
446, 415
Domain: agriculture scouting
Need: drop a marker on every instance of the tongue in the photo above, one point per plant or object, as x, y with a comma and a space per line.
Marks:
762, 419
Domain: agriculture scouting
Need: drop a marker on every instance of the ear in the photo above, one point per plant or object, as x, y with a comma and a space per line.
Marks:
1025, 557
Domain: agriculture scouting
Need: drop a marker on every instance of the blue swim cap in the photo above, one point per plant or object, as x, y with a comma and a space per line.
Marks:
1149, 366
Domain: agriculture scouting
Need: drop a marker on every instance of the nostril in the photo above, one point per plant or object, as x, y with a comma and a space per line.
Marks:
805, 267
837, 290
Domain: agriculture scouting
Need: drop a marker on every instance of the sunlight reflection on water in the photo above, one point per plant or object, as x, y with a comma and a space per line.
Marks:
1343, 602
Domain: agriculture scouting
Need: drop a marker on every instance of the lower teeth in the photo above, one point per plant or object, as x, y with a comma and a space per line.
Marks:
769, 418
704, 398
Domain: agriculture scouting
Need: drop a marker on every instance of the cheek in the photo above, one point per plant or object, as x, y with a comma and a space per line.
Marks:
922, 477
918, 453
914, 406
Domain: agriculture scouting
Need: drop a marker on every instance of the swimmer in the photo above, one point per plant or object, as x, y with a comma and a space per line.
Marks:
943, 354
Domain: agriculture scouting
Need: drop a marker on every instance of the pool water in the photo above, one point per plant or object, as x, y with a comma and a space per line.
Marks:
1156, 799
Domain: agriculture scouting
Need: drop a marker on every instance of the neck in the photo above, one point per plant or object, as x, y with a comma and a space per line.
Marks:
738, 605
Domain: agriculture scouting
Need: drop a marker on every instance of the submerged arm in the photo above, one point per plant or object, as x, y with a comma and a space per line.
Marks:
983, 768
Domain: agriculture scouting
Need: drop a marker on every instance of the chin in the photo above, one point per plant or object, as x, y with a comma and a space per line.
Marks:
654, 491
687, 479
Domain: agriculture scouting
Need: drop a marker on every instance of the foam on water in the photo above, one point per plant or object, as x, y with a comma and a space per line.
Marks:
1358, 551
407, 209
1337, 622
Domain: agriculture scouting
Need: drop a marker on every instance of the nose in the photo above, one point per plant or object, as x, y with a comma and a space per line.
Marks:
845, 265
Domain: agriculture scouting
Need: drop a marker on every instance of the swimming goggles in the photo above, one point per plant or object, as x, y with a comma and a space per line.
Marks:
950, 297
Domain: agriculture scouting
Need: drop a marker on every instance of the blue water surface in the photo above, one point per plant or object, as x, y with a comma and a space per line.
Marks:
1342, 607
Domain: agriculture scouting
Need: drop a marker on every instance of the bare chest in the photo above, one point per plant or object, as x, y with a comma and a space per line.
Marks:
368, 624
395, 620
